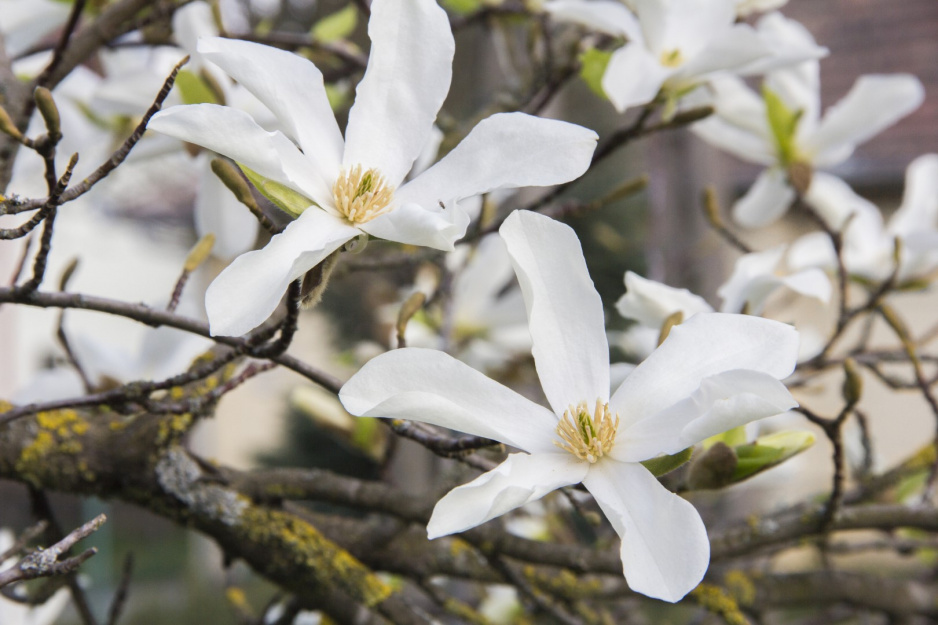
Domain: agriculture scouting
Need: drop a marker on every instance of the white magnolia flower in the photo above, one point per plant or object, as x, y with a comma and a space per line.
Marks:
487, 324
743, 7
350, 186
13, 613
868, 243
649, 304
785, 128
758, 275
674, 45
24, 24
713, 373
748, 7
160, 354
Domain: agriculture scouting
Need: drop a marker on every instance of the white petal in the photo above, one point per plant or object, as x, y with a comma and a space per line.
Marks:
766, 201
810, 283
703, 346
665, 550
292, 88
565, 314
165, 352
431, 386
407, 79
733, 398
633, 76
235, 134
919, 209
814, 249
249, 289
24, 24
413, 224
191, 22
505, 151
738, 141
738, 125
522, 478
650, 302
736, 47
835, 201
721, 402
789, 42
219, 212
688, 25
799, 87
874, 103
752, 274
618, 371
605, 16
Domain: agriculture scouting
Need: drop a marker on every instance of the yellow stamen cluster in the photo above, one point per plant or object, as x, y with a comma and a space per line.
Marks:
672, 58
362, 195
587, 435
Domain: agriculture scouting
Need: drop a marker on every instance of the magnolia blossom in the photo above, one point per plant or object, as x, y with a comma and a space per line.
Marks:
713, 373
759, 274
487, 324
675, 45
784, 130
24, 24
748, 7
339, 189
868, 244
755, 278
649, 304
160, 354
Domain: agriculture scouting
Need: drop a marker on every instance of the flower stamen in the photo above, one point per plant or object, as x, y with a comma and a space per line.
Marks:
672, 58
587, 435
362, 195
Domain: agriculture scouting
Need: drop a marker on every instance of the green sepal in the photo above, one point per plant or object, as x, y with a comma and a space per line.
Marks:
462, 7
769, 451
784, 123
665, 464
193, 89
285, 198
732, 438
336, 26
593, 64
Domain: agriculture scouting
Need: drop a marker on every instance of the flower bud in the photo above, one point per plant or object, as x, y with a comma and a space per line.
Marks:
49, 111
853, 382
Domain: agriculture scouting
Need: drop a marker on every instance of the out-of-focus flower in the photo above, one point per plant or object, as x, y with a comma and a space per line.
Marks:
713, 373
675, 45
24, 24
163, 352
748, 7
649, 304
869, 245
486, 323
759, 274
784, 130
353, 182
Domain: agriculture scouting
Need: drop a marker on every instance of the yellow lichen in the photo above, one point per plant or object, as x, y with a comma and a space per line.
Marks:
740, 586
310, 552
717, 601
62, 422
172, 428
59, 433
458, 547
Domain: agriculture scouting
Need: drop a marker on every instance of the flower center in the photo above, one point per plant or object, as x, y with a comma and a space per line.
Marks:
587, 435
362, 195
672, 58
